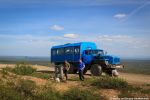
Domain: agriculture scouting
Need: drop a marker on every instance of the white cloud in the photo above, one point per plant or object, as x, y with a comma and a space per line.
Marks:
120, 16
70, 35
56, 27
121, 45
117, 38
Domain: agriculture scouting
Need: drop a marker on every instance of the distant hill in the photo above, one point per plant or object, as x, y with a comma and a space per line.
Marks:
31, 60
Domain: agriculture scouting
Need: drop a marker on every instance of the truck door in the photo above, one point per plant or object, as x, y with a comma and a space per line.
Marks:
87, 57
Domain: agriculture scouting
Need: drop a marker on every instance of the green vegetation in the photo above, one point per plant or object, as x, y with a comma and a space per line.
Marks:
26, 87
12, 91
146, 91
78, 94
21, 89
148, 85
28, 90
48, 93
12, 88
130, 92
109, 83
5, 71
9, 93
41, 75
23, 69
20, 69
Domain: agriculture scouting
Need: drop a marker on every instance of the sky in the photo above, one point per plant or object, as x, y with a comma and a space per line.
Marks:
32, 27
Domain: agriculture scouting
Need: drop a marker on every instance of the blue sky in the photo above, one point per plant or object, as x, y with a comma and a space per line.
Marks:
31, 27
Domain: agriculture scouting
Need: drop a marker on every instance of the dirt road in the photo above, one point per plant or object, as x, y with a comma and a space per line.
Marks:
135, 78
130, 77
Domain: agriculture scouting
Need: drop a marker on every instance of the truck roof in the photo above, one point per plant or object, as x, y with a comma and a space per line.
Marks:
72, 44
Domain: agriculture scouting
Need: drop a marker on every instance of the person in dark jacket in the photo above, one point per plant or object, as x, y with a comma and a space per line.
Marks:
66, 69
81, 68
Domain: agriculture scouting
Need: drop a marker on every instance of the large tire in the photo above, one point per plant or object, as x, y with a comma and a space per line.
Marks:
96, 70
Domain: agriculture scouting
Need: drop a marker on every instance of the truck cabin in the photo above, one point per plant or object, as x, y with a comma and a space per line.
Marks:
94, 52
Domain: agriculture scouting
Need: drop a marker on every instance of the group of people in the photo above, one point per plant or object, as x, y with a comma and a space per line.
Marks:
81, 67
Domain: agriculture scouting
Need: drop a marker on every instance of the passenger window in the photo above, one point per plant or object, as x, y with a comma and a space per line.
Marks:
60, 51
76, 50
69, 50
53, 52
57, 51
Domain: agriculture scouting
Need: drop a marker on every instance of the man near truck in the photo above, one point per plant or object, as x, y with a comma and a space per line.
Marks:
81, 67
66, 69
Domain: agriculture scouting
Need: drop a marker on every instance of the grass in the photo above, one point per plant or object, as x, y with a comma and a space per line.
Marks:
9, 93
148, 84
5, 70
109, 83
78, 94
27, 90
23, 69
20, 69
41, 75
146, 91
26, 87
48, 93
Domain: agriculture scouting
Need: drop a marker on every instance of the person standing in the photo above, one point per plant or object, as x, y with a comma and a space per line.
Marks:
81, 68
66, 69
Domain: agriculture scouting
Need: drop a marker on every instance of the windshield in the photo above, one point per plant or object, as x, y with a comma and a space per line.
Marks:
95, 52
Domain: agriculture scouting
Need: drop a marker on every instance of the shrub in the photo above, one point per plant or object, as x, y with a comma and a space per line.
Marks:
20, 69
23, 69
109, 83
26, 87
130, 92
6, 70
77, 94
7, 92
48, 93
146, 91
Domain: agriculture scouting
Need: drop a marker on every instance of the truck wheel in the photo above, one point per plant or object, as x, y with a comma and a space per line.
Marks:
96, 70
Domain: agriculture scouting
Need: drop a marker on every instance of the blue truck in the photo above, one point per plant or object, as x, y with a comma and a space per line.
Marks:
96, 60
